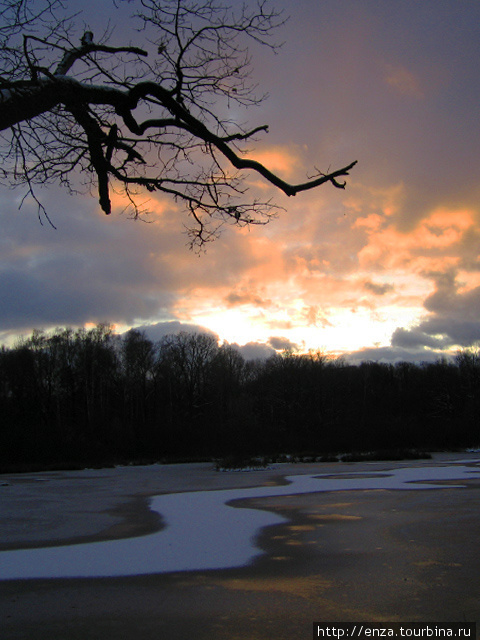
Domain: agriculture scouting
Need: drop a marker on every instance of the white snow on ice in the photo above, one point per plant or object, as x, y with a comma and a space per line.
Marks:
203, 530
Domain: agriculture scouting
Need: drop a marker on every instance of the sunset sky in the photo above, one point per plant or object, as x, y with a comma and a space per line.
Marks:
387, 269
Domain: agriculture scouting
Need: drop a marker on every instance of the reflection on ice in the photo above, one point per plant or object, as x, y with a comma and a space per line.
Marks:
202, 530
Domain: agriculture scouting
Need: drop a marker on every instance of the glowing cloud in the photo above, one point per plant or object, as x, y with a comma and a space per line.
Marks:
279, 159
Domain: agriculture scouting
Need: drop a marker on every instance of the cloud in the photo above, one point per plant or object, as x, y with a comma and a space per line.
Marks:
36, 300
414, 338
245, 297
91, 268
440, 334
255, 350
282, 344
155, 332
279, 159
448, 300
434, 242
316, 316
378, 289
453, 319
392, 355
455, 332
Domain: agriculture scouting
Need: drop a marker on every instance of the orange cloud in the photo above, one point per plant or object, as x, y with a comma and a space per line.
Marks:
371, 223
278, 159
255, 285
153, 206
387, 200
435, 240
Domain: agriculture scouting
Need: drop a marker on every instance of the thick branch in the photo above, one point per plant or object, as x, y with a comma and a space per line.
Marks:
22, 101
196, 127
94, 137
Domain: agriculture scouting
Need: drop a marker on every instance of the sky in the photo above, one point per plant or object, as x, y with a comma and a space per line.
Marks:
387, 269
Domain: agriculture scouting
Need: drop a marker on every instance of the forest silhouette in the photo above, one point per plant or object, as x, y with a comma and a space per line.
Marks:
92, 397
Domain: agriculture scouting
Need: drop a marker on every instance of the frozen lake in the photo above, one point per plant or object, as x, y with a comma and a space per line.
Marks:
204, 529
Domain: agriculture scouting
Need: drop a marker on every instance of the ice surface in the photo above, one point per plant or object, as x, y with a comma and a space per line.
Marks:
203, 531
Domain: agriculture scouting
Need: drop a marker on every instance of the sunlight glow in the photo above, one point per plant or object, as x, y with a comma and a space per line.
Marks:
238, 325
339, 331
278, 159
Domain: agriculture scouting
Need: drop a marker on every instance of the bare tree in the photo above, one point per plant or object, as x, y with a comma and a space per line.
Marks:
156, 118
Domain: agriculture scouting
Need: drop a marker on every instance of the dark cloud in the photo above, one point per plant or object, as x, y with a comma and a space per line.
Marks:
91, 268
255, 350
447, 299
74, 286
454, 320
392, 355
282, 344
455, 331
159, 330
236, 298
440, 333
378, 289
415, 338
37, 300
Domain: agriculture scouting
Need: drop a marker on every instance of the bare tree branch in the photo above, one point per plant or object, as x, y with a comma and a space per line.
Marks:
122, 115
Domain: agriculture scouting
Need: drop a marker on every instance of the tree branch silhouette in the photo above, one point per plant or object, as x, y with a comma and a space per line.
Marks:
138, 118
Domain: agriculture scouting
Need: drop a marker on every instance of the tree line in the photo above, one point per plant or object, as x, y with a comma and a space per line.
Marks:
90, 396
